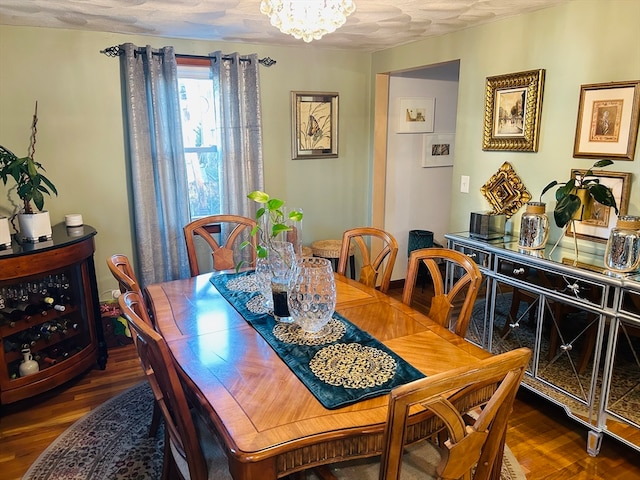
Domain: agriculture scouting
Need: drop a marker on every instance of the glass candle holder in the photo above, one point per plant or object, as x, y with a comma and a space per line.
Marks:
622, 254
312, 294
534, 227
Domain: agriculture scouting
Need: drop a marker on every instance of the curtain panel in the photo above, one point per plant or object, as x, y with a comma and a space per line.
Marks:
160, 202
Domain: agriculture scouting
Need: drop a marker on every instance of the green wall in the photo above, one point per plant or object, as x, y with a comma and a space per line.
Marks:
80, 129
567, 41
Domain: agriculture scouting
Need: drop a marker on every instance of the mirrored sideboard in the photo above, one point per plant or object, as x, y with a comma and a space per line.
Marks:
582, 324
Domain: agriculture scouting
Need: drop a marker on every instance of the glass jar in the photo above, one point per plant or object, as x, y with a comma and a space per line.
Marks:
312, 295
623, 247
534, 227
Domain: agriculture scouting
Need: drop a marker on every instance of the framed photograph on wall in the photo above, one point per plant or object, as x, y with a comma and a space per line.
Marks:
314, 120
513, 105
608, 120
416, 114
602, 219
437, 150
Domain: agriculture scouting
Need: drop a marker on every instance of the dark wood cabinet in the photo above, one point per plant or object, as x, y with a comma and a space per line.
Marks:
49, 301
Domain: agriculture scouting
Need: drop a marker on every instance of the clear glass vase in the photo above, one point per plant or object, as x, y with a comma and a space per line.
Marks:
281, 263
312, 294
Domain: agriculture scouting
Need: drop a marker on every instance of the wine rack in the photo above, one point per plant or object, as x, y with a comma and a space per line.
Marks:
48, 309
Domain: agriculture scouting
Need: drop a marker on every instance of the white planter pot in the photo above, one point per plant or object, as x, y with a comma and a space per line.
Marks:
34, 226
5, 233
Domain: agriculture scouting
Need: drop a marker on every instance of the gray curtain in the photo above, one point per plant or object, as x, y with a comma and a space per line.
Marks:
158, 177
237, 96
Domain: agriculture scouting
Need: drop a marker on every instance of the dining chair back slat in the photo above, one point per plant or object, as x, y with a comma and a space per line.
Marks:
468, 282
223, 234
375, 269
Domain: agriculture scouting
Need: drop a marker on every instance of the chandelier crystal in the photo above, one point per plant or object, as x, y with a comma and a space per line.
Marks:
307, 19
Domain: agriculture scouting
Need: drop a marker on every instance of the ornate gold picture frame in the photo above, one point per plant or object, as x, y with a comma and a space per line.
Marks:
505, 191
314, 119
608, 117
513, 105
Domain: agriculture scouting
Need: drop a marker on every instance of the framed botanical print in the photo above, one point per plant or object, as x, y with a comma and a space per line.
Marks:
314, 119
608, 120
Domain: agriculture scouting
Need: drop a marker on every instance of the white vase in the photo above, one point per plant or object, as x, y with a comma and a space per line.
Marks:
34, 226
28, 366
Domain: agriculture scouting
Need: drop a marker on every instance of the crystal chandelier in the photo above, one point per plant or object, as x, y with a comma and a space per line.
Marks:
307, 19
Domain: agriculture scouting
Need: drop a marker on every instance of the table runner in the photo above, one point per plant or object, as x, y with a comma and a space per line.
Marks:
340, 365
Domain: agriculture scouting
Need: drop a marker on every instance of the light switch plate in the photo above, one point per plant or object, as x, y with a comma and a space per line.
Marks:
464, 183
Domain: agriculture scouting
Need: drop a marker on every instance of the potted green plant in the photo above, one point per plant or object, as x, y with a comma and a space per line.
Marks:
275, 257
32, 185
575, 196
271, 221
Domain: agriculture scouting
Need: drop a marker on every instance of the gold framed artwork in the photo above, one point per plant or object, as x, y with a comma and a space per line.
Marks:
505, 191
314, 119
608, 116
602, 219
513, 105
416, 114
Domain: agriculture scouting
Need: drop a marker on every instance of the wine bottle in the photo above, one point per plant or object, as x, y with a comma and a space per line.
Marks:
10, 346
51, 302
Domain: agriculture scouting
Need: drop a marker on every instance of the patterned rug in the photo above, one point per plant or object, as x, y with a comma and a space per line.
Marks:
112, 443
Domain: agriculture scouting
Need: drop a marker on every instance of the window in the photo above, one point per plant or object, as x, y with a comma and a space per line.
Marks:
200, 137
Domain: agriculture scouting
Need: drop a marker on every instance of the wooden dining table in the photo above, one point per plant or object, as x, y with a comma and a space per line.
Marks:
268, 420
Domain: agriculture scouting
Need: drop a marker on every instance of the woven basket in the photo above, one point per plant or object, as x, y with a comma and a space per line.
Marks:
329, 248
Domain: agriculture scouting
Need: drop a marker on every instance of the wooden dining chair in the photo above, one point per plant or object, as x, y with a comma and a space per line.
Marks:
223, 234
191, 451
122, 271
473, 442
442, 303
374, 269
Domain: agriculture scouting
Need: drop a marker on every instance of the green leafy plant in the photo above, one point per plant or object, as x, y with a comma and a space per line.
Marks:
31, 184
271, 215
568, 202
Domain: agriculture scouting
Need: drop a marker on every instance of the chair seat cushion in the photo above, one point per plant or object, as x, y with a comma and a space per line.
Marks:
419, 462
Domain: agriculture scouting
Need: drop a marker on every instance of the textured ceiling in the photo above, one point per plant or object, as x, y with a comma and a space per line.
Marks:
374, 26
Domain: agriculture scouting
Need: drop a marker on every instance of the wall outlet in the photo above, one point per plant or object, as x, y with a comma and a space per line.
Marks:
464, 183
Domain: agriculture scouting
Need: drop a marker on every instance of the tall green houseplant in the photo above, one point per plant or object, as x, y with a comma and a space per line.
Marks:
32, 185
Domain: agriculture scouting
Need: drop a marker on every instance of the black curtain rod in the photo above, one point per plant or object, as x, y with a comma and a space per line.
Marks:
116, 51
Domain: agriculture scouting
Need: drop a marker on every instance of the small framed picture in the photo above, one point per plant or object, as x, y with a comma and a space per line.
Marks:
608, 120
416, 114
513, 106
314, 120
602, 219
437, 150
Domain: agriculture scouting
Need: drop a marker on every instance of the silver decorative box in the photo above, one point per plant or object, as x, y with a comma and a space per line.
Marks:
487, 225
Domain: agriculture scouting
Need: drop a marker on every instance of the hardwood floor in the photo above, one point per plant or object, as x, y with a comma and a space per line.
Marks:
545, 441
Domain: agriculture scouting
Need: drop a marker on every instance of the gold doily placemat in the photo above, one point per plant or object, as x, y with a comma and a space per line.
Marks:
292, 333
352, 365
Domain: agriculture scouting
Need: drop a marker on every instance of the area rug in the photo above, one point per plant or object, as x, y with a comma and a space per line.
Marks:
112, 443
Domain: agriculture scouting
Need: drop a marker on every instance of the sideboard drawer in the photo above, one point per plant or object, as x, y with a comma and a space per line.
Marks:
575, 289
478, 255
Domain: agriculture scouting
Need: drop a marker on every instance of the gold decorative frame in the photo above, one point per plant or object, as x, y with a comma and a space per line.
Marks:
513, 105
314, 119
608, 118
505, 191
598, 227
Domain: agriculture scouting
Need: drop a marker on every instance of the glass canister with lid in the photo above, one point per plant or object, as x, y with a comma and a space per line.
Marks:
622, 254
534, 227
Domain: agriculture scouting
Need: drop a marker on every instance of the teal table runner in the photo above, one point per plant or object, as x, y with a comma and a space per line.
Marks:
340, 365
